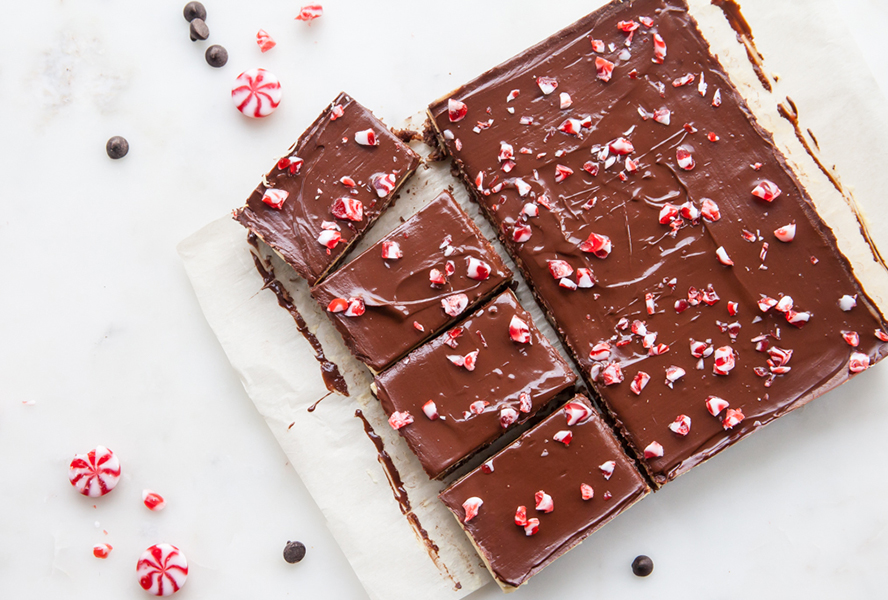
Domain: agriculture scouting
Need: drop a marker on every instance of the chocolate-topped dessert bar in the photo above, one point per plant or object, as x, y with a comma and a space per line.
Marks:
545, 493
423, 276
329, 188
457, 394
677, 255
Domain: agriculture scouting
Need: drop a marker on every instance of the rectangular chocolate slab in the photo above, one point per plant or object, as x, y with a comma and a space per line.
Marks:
513, 373
653, 173
400, 306
590, 462
334, 188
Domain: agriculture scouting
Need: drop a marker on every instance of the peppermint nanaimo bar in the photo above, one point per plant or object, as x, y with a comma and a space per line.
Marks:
545, 493
329, 188
677, 255
432, 270
481, 379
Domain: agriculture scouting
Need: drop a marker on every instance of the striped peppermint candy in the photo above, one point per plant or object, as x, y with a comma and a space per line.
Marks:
95, 473
256, 93
162, 570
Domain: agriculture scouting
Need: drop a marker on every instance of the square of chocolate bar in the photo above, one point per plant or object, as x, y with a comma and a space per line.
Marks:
329, 188
545, 493
410, 285
676, 253
466, 388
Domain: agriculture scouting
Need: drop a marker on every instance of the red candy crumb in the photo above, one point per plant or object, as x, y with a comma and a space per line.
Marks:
355, 308
732, 418
597, 244
400, 419
310, 12
607, 468
265, 41
532, 527
715, 405
681, 426
350, 209
653, 450
638, 382
471, 506
684, 158
519, 330
391, 250
457, 110
152, 500
564, 436
859, 362
521, 516
455, 304
586, 491
766, 190
102, 550
337, 305
478, 269
576, 413
852, 338
605, 68
431, 410
275, 198
544, 502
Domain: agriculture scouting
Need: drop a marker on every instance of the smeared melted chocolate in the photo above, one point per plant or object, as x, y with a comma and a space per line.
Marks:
738, 23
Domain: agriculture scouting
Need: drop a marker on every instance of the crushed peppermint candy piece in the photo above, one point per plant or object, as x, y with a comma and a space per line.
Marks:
724, 360
521, 516
391, 250
471, 506
715, 405
733, 308
366, 137
638, 382
547, 85
454, 305
576, 412
560, 268
600, 351
786, 233
681, 81
766, 190
524, 403
562, 173
653, 450
400, 419
265, 41
684, 158
521, 233
852, 338
564, 100
597, 244
477, 407
612, 374
662, 116
337, 305
723, 257
585, 278
621, 146
709, 210
153, 501
564, 436
274, 197
847, 302
457, 110
858, 362
597, 46
732, 418
508, 415
532, 527
673, 374
717, 98
468, 361
431, 410
383, 183
102, 550
681, 425
478, 269
519, 330
350, 209
544, 502
310, 12
487, 467
881, 335
607, 468
512, 95
436, 277
586, 491
355, 308
798, 318
605, 68
659, 49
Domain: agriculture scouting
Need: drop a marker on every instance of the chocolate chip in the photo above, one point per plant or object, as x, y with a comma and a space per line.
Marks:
216, 56
642, 566
294, 552
117, 147
194, 10
199, 30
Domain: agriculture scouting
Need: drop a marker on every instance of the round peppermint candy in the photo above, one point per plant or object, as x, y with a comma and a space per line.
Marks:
256, 93
162, 570
95, 473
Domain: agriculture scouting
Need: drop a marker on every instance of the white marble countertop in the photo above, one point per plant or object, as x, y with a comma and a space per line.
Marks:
104, 343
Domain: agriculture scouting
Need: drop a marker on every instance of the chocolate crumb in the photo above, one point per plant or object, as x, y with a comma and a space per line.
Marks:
407, 135
194, 10
642, 566
431, 139
117, 147
294, 552
199, 30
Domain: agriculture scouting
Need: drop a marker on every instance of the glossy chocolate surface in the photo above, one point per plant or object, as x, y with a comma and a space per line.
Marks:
402, 307
330, 152
504, 370
536, 462
731, 156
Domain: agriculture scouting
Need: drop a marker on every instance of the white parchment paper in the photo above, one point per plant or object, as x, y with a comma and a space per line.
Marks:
328, 447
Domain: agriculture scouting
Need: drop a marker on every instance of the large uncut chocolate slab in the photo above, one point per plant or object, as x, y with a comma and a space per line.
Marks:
512, 373
587, 477
423, 276
652, 173
333, 188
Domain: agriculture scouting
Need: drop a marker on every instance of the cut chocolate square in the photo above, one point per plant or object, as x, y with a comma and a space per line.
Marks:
330, 187
472, 384
545, 493
423, 276
678, 256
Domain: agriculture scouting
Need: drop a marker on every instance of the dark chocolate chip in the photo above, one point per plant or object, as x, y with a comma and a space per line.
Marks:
216, 56
642, 566
194, 10
294, 552
199, 30
117, 147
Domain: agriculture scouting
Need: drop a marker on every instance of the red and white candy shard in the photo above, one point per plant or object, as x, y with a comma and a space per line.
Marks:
467, 362
674, 373
564, 436
586, 491
153, 500
858, 362
336, 111
478, 269
274, 197
478, 406
431, 410
681, 425
766, 190
471, 506
597, 244
662, 116
724, 360
659, 49
508, 415
786, 233
519, 330
576, 412
847, 302
799, 319
544, 502
732, 418
95, 473
355, 308
400, 419
337, 305
391, 250
162, 570
265, 41
562, 173
347, 209
487, 467
310, 12
383, 183
680, 81
638, 382
604, 67
256, 93
436, 277
881, 335
454, 305
784, 304
547, 84
607, 468
668, 213
715, 405
612, 374
723, 257
521, 233
564, 100
585, 278
567, 283
733, 308
294, 165
653, 450
685, 159
621, 146
597, 46
852, 338
521, 516
522, 186
456, 110
367, 137
689, 211
560, 268
532, 527
102, 550
600, 351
